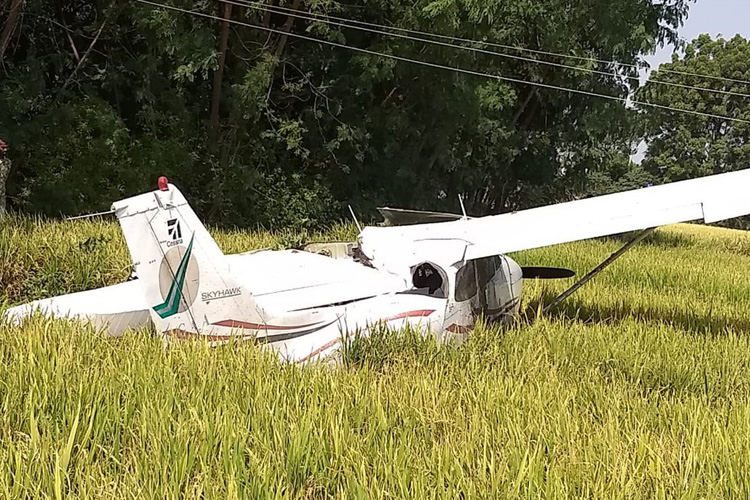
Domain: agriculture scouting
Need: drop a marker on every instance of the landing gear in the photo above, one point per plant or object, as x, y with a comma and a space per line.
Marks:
601, 267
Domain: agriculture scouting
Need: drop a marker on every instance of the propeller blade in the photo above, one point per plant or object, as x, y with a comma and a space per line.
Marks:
547, 273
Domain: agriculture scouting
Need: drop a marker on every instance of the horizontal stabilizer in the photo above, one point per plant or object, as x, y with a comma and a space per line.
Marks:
114, 308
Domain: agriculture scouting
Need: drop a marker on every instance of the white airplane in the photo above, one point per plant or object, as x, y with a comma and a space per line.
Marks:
435, 277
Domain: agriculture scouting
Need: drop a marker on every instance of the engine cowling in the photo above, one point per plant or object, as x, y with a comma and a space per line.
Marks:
490, 287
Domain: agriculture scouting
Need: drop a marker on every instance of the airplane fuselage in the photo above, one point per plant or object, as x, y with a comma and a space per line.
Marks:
336, 298
332, 299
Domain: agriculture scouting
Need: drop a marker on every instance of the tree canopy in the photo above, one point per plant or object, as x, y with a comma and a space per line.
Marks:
683, 146
98, 98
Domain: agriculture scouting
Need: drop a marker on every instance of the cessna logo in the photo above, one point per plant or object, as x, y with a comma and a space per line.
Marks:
173, 225
175, 232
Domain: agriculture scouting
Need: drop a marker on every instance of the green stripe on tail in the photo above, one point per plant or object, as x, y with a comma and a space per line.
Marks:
171, 304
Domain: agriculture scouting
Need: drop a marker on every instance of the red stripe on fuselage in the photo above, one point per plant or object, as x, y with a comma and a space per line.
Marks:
422, 313
320, 350
183, 335
242, 325
230, 323
454, 328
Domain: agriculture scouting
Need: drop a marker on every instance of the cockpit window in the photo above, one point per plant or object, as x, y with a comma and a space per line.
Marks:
475, 276
426, 276
466, 282
485, 269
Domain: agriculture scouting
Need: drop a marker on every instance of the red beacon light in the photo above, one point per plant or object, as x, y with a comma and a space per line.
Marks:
163, 183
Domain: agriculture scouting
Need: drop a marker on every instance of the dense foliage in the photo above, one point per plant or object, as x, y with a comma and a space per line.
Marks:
98, 97
683, 146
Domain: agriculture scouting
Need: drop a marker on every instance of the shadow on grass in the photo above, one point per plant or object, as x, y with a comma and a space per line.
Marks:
659, 239
575, 309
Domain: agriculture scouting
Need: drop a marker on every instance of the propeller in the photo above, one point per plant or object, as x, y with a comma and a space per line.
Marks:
547, 273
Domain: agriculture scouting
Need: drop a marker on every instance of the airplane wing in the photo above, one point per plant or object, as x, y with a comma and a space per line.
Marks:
711, 199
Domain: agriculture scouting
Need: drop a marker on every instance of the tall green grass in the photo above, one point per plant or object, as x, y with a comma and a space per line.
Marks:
637, 388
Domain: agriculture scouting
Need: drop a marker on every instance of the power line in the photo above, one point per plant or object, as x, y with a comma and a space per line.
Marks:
311, 16
440, 66
502, 46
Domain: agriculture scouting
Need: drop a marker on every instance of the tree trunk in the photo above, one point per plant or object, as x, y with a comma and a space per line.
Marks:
219, 74
10, 26
4, 172
85, 55
524, 105
287, 27
282, 43
267, 15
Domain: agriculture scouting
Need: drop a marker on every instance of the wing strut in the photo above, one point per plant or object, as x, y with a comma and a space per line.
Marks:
601, 267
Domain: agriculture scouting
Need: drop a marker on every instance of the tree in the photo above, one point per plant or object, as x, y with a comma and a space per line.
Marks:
415, 136
9, 26
99, 98
682, 146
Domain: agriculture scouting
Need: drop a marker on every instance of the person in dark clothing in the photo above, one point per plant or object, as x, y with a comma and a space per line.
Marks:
4, 172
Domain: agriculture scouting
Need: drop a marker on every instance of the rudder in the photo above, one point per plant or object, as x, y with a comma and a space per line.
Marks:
184, 275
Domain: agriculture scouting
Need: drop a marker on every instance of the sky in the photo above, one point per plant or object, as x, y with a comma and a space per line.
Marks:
715, 17
725, 17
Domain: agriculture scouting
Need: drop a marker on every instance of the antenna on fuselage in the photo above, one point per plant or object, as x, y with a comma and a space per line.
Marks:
88, 216
356, 222
463, 209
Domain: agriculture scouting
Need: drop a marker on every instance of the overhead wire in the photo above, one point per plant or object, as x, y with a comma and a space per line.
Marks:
507, 47
439, 66
354, 24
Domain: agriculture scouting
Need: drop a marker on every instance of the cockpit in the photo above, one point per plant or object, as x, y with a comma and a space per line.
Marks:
429, 279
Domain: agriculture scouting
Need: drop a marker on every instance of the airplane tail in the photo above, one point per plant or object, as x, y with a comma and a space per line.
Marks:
184, 275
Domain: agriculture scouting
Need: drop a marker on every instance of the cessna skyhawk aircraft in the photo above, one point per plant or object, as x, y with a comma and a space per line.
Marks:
436, 277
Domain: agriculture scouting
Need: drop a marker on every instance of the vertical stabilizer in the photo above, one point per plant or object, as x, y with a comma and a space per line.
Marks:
184, 275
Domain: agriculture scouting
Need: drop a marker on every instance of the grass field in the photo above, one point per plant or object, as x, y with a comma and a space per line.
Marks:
638, 387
